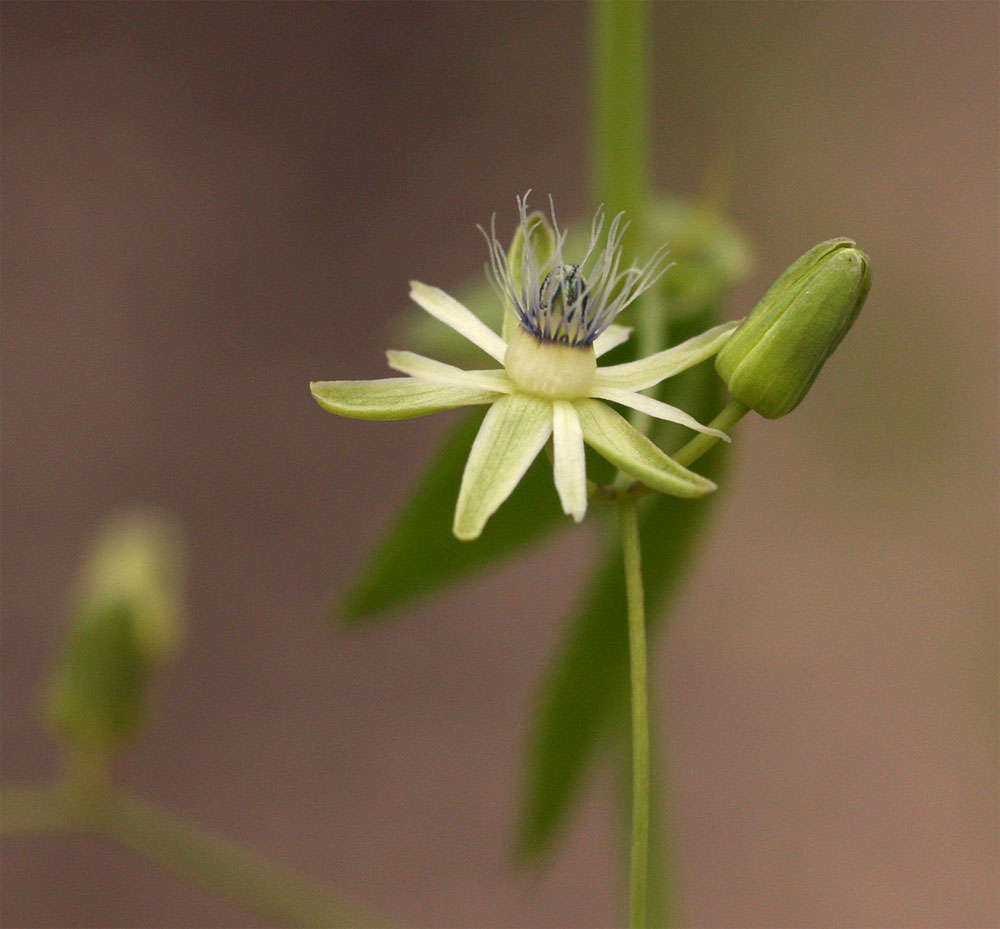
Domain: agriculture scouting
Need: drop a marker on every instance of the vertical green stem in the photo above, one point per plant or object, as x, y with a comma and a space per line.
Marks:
619, 86
639, 859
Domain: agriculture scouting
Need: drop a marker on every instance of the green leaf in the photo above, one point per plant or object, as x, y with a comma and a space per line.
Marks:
587, 684
419, 554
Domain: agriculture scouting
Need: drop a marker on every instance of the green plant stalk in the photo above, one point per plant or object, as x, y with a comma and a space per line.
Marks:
620, 144
730, 415
619, 89
216, 863
225, 867
639, 856
620, 152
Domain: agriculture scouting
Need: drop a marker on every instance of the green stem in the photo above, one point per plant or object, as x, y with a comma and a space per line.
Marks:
731, 414
639, 858
620, 145
619, 87
197, 854
225, 867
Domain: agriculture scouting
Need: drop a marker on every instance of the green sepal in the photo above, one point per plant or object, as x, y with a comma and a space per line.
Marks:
610, 434
393, 397
512, 434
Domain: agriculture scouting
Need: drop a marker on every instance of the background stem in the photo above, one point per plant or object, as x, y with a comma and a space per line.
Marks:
619, 140
222, 866
225, 867
639, 857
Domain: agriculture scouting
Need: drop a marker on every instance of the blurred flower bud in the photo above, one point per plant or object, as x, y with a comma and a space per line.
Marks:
127, 619
773, 358
709, 255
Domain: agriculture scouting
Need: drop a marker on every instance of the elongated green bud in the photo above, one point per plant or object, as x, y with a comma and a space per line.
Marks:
528, 258
773, 358
127, 619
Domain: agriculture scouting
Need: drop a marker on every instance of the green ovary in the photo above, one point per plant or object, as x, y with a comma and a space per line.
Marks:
550, 369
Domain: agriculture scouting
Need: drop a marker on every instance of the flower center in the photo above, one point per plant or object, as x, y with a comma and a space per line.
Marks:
553, 370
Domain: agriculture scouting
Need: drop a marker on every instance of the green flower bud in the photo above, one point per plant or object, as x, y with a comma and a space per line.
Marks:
773, 358
527, 264
126, 621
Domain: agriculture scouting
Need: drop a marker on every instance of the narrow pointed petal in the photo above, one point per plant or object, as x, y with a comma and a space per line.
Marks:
611, 435
611, 338
656, 409
512, 434
647, 372
437, 372
393, 397
449, 311
570, 467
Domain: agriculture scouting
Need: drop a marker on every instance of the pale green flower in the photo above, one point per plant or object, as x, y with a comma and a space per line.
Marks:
549, 385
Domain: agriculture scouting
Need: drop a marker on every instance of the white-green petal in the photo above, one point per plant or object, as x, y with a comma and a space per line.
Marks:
393, 397
569, 461
512, 434
611, 338
646, 372
449, 311
611, 436
655, 408
437, 372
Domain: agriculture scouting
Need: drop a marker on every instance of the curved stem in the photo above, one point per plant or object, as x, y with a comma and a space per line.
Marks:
222, 866
225, 867
639, 858
731, 414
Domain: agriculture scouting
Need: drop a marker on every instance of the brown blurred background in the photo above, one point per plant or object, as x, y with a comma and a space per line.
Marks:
209, 205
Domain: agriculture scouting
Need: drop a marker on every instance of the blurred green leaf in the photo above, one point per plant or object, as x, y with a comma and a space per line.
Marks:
587, 684
419, 554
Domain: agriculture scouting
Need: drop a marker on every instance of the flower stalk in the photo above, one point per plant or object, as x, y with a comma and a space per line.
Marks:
638, 665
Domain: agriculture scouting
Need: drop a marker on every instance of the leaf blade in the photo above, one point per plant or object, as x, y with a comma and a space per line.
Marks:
418, 555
